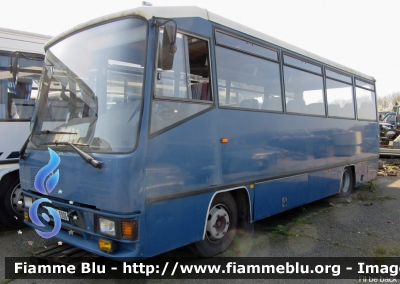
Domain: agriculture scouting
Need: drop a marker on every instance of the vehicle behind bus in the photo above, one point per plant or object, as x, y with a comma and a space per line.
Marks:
21, 63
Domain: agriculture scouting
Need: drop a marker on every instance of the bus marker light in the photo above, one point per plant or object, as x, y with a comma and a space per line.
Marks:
127, 229
224, 140
252, 185
106, 245
26, 216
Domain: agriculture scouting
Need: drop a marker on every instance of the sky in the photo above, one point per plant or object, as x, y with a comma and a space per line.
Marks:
361, 34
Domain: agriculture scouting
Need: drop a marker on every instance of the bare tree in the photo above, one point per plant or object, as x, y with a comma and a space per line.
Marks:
388, 101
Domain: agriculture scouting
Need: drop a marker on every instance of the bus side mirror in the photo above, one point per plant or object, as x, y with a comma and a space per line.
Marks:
167, 46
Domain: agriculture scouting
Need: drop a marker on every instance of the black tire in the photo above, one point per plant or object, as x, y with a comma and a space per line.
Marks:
11, 213
220, 229
347, 184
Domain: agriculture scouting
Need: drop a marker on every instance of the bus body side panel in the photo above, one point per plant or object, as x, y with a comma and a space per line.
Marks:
19, 131
179, 163
361, 173
268, 145
279, 195
324, 183
174, 223
373, 169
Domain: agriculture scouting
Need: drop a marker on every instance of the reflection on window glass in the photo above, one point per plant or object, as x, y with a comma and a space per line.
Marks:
302, 64
247, 82
173, 83
188, 80
338, 76
366, 107
92, 87
340, 99
192, 53
366, 85
245, 45
304, 92
17, 98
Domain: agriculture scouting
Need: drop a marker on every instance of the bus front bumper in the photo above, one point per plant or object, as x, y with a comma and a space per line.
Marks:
110, 235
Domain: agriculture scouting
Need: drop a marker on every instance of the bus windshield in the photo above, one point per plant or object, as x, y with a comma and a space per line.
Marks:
91, 89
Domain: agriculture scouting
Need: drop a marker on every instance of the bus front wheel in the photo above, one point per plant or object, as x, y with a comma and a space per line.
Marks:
221, 226
11, 211
346, 185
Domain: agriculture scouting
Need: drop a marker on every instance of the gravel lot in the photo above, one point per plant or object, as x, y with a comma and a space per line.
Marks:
367, 224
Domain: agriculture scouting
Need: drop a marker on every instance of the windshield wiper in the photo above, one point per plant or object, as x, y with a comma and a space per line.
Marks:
51, 132
23, 149
89, 159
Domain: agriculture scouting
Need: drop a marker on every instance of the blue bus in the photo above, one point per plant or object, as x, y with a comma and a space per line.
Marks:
175, 126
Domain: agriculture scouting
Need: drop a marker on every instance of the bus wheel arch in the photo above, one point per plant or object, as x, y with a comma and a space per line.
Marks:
220, 226
10, 194
245, 227
347, 182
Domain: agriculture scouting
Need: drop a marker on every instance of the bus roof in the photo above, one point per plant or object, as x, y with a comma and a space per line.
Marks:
24, 33
13, 40
148, 12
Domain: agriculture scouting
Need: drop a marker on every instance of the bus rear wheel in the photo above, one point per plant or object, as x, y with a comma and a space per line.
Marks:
221, 226
11, 212
346, 185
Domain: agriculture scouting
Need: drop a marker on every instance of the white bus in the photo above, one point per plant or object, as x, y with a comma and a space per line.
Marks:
21, 62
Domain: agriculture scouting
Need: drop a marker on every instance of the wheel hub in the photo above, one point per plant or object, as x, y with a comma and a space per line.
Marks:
17, 200
217, 223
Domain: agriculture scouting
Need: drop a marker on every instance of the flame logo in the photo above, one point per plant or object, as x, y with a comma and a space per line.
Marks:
46, 189
45, 172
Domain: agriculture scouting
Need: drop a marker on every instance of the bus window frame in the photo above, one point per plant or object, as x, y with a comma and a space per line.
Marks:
331, 69
154, 97
252, 41
371, 90
353, 92
305, 59
261, 44
322, 75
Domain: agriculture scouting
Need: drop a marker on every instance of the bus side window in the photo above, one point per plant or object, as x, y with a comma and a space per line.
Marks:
247, 82
185, 90
307, 89
339, 92
366, 107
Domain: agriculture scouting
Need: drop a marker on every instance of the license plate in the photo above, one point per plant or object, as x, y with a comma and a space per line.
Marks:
63, 215
391, 132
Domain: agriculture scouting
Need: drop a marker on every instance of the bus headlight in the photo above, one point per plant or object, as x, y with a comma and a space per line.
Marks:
107, 227
27, 201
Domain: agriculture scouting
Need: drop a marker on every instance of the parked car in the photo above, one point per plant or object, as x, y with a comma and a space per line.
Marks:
387, 132
390, 117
